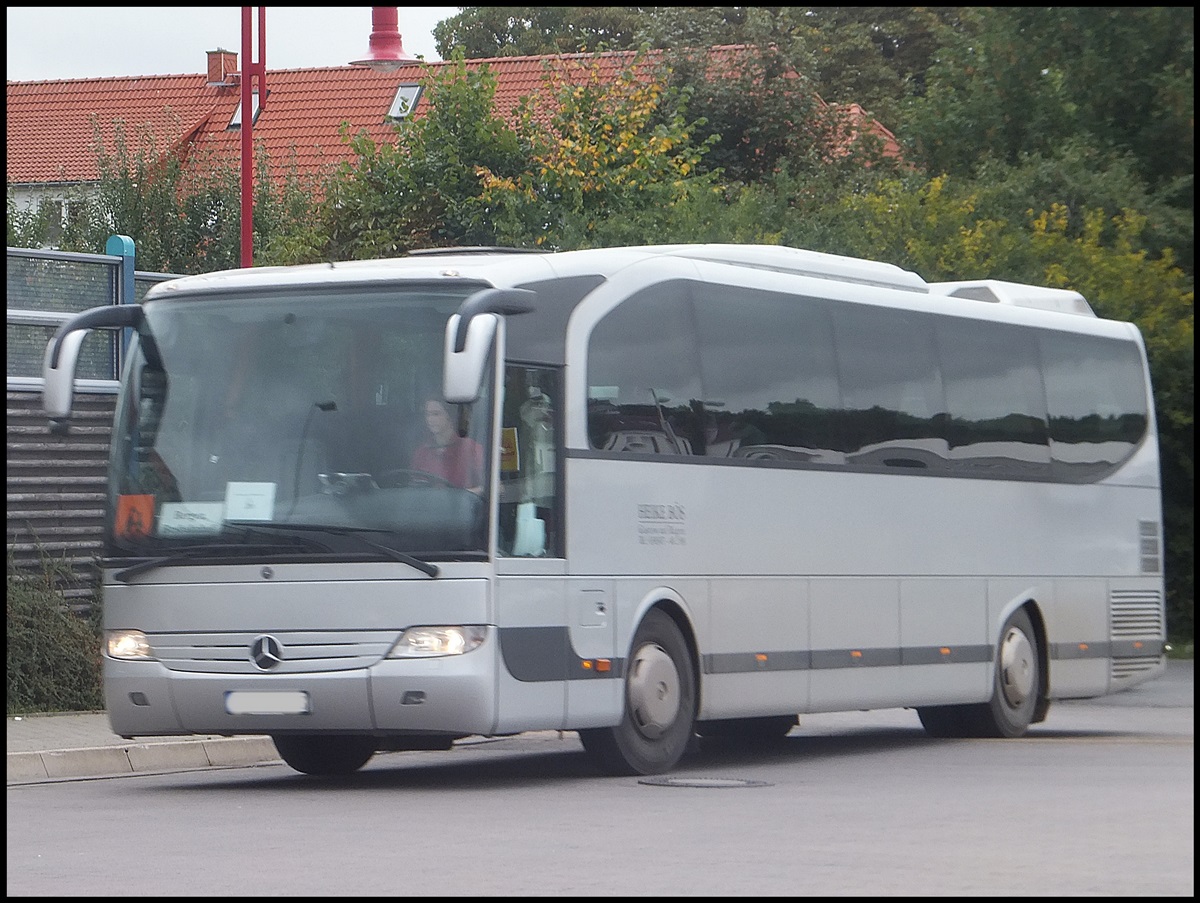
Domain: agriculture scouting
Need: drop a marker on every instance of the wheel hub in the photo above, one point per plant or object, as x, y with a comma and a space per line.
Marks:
1018, 668
654, 690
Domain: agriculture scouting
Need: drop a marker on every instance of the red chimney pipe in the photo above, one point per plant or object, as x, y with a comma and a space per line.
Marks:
386, 47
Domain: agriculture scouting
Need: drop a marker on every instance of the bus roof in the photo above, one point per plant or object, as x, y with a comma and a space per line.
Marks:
511, 267
997, 291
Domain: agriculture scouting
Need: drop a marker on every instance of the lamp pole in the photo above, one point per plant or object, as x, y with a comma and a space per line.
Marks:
253, 72
385, 54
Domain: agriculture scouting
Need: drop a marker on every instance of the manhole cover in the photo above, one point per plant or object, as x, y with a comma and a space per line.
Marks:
702, 782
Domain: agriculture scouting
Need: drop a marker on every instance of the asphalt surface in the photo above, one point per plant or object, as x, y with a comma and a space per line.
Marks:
81, 744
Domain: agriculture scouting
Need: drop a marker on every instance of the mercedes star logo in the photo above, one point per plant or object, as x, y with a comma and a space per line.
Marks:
266, 652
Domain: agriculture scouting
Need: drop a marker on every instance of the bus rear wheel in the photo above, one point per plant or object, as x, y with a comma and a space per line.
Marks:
324, 754
1016, 691
660, 705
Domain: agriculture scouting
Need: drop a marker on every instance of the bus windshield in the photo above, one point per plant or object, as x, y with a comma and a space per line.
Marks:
307, 422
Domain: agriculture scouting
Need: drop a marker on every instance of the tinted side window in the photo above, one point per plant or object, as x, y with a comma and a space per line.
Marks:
994, 398
1095, 393
770, 383
893, 405
643, 377
729, 372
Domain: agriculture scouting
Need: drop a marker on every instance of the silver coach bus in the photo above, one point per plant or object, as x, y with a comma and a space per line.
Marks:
637, 493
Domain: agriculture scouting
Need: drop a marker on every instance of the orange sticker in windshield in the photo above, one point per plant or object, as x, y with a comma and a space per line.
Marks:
135, 515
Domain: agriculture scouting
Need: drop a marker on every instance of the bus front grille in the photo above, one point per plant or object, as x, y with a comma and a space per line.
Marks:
274, 652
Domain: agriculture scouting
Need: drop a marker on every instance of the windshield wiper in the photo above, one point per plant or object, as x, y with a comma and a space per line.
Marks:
208, 550
249, 528
355, 533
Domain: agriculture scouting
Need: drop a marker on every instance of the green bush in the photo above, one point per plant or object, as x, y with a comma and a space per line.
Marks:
53, 653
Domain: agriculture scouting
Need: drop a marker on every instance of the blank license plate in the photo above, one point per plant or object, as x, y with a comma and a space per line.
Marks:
266, 702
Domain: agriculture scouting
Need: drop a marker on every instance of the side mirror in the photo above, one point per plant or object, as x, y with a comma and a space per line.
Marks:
58, 371
462, 370
62, 355
469, 337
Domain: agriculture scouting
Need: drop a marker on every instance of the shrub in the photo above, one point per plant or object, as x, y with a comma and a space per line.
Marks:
53, 653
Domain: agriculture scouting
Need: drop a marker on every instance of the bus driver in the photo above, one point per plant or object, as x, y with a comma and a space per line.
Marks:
456, 459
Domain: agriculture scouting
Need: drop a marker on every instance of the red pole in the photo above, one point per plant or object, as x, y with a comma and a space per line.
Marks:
251, 70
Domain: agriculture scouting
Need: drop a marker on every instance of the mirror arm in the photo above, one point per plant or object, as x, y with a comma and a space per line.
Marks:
506, 301
107, 317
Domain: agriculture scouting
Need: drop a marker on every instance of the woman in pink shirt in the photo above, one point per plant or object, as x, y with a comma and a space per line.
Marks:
456, 459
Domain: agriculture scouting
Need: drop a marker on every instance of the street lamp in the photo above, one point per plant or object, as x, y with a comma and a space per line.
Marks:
386, 54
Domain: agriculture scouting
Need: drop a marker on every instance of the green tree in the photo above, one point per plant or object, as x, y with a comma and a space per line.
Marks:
861, 55
608, 161
1029, 86
483, 32
423, 190
1025, 79
875, 55
30, 227
851, 54
763, 107
586, 163
754, 111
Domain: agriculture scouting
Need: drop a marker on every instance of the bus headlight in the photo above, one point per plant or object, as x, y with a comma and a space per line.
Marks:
426, 642
127, 644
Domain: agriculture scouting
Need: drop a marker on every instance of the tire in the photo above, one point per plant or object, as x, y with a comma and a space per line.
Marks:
749, 730
324, 754
660, 705
1017, 691
1018, 681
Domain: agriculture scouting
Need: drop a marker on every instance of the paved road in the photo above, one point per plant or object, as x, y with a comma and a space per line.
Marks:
1097, 801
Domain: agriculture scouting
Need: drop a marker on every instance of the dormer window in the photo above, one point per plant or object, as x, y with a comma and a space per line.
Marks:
405, 102
236, 121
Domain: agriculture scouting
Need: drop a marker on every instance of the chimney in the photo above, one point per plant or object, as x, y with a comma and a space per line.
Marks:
222, 64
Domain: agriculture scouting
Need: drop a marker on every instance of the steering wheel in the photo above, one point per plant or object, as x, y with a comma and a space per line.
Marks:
406, 476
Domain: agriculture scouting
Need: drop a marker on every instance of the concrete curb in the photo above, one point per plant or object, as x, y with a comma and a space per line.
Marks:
135, 758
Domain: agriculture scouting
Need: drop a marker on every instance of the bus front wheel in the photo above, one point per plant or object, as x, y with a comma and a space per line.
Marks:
1016, 690
324, 754
660, 704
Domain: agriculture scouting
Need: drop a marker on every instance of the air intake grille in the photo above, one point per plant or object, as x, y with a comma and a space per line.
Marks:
1136, 615
1124, 668
1148, 543
1136, 622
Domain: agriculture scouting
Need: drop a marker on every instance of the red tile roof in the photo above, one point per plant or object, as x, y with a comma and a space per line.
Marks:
50, 136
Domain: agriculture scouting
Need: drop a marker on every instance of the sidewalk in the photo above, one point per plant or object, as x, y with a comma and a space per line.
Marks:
81, 744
